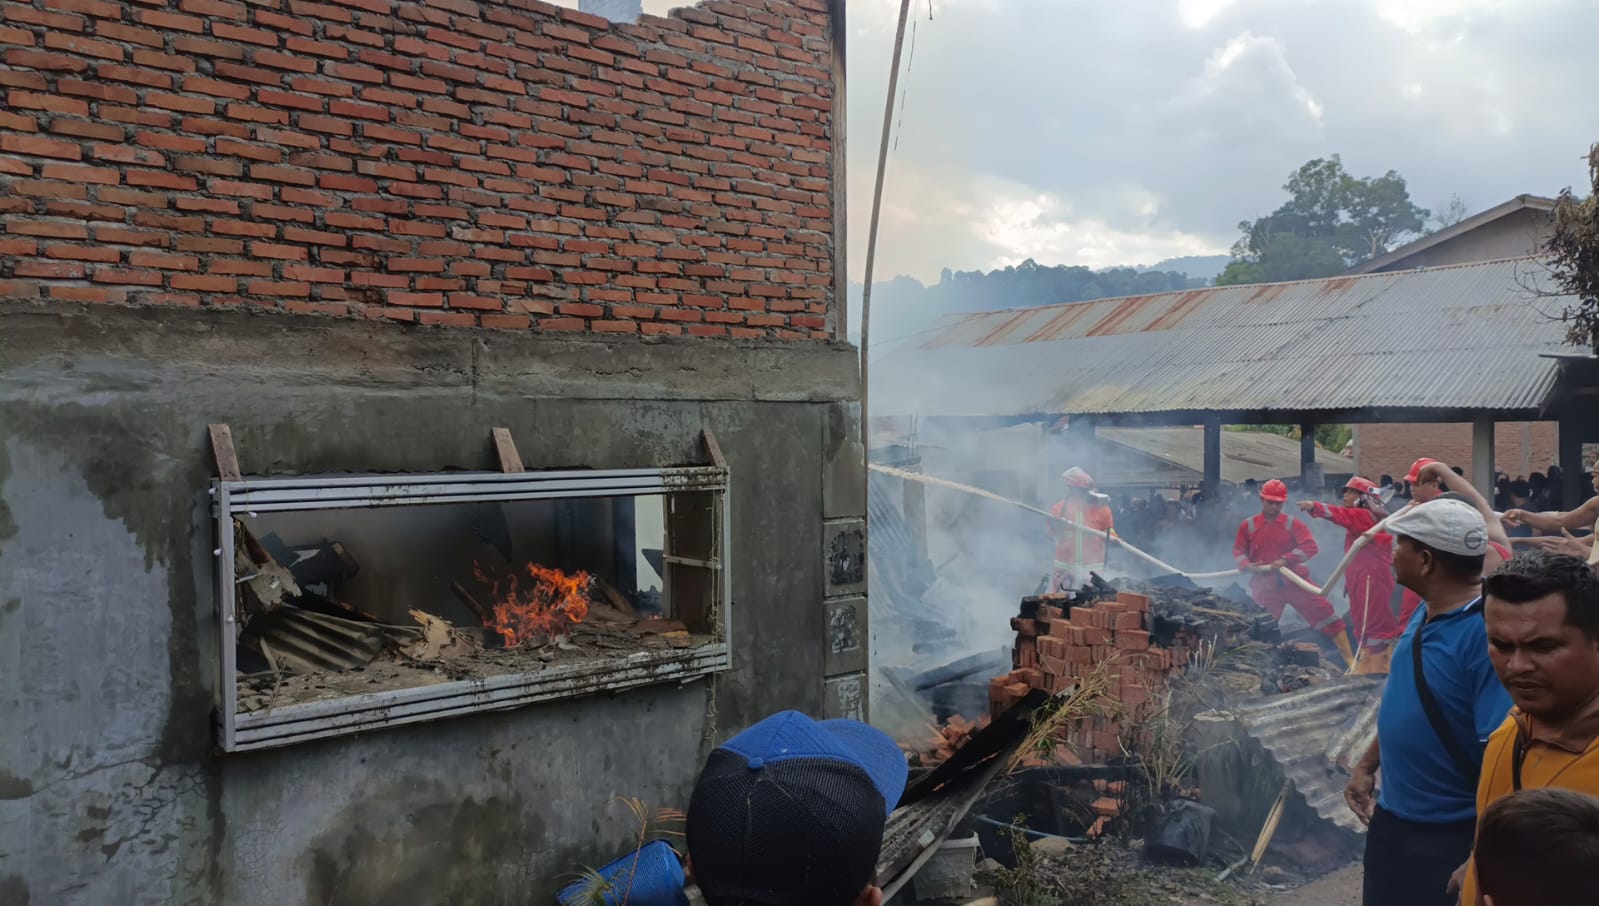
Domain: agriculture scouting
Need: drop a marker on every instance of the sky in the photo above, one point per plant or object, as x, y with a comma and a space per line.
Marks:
1106, 133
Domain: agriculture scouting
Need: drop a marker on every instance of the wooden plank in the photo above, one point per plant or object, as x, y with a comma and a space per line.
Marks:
510, 460
714, 448
222, 450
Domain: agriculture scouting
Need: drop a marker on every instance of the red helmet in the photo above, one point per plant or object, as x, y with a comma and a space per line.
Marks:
1077, 478
1416, 467
1275, 491
1360, 485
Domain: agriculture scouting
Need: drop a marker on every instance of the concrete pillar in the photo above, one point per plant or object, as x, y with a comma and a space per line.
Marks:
1212, 481
1081, 447
1482, 455
1308, 472
914, 504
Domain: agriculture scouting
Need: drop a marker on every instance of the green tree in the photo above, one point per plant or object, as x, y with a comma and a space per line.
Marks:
1572, 253
1330, 222
1331, 437
1286, 256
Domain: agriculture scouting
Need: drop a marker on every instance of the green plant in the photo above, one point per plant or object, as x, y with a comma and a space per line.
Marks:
1160, 740
1089, 697
598, 890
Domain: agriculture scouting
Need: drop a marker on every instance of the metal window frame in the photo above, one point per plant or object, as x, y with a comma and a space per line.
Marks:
290, 724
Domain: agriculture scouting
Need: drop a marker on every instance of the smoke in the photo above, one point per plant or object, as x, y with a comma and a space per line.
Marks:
982, 556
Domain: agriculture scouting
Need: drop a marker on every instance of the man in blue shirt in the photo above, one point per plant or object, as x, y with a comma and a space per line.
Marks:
1432, 727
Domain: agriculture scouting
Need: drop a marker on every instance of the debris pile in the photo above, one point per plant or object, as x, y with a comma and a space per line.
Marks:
1061, 640
951, 737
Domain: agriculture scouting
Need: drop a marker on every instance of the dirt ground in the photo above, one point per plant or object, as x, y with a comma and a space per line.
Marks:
1341, 888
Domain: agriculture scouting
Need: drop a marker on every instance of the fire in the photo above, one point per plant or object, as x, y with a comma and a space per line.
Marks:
545, 607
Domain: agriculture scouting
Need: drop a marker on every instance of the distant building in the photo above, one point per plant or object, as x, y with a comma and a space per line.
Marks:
1514, 229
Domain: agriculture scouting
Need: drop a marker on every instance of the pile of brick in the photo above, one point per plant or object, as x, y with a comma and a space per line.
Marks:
1062, 642
951, 737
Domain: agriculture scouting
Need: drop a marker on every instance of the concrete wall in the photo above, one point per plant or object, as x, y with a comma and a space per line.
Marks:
1511, 236
110, 791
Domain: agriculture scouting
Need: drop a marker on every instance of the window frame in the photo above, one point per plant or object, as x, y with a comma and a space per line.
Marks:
294, 723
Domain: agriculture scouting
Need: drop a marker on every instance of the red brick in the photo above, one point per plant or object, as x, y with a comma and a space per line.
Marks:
36, 146
122, 277
246, 35
104, 176
1132, 639
79, 44
170, 21
34, 59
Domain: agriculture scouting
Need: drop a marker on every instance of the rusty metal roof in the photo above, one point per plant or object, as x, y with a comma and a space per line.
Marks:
1469, 336
1314, 734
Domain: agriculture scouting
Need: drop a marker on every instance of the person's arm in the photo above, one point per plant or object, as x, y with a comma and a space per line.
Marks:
1106, 521
1351, 518
1361, 791
1552, 522
1492, 704
1304, 546
1241, 545
1458, 484
1565, 543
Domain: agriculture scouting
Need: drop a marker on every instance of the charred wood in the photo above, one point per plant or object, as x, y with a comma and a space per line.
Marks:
263, 583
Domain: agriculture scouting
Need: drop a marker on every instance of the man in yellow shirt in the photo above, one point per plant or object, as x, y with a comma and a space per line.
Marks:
1542, 615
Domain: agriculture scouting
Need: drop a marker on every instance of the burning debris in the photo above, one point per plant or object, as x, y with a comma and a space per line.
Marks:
1133, 692
301, 642
545, 608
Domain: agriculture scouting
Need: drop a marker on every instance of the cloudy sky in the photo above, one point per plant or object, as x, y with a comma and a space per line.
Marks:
1099, 133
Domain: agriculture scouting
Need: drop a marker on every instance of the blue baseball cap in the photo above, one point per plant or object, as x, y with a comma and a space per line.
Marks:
790, 812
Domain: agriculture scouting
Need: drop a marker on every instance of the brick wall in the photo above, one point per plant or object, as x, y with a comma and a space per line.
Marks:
505, 164
1520, 448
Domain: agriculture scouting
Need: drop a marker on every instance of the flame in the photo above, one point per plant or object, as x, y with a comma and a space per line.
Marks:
546, 607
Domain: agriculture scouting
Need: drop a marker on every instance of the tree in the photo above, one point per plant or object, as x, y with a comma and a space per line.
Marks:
1572, 253
1450, 214
1330, 222
1286, 257
1379, 211
1332, 437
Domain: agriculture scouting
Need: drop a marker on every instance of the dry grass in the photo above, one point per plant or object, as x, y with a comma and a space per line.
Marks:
599, 890
1090, 697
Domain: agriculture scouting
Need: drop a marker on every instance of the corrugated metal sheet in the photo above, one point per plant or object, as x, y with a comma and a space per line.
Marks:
1311, 733
1461, 337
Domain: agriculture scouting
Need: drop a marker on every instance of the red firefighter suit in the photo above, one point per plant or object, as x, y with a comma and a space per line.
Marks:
1369, 580
1079, 553
1263, 540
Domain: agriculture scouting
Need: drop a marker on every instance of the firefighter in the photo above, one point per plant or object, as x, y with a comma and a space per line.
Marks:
1271, 540
1079, 553
1369, 581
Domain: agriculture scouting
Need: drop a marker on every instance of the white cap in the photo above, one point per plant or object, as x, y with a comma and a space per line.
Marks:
1453, 526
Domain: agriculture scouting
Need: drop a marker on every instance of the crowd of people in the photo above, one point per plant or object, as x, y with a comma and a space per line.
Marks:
1488, 727
1479, 788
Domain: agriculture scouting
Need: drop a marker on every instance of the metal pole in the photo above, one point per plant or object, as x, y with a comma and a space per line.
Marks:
1482, 454
871, 231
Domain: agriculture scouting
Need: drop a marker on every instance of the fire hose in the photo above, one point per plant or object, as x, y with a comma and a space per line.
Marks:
1288, 574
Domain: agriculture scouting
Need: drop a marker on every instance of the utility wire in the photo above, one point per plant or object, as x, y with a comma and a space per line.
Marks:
871, 232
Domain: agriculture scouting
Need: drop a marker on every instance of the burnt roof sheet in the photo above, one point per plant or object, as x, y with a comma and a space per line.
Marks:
1314, 733
1472, 336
